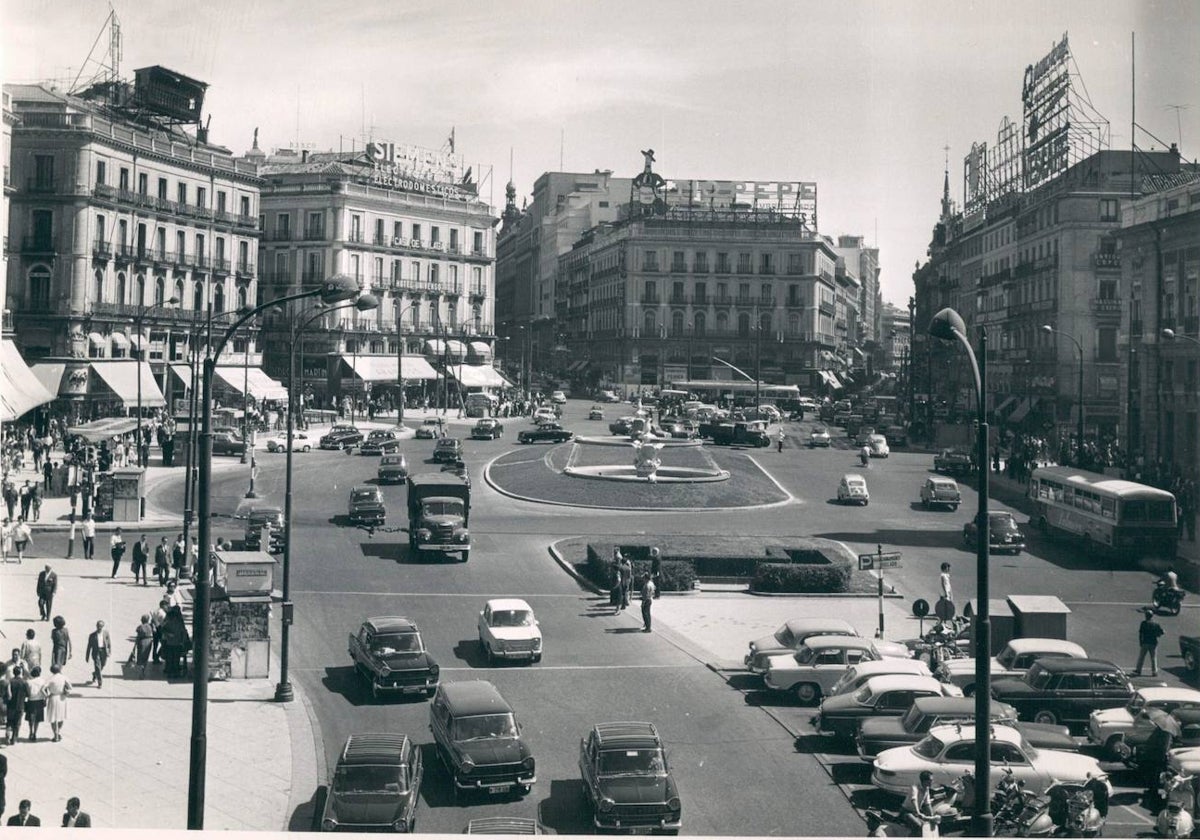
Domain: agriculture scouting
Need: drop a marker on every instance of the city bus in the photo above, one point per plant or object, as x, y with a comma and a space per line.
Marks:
1106, 514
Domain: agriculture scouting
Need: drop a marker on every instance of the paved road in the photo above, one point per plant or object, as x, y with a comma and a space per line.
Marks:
742, 757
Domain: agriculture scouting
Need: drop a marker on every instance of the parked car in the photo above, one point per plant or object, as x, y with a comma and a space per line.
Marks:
1130, 725
447, 450
342, 437
898, 435
952, 462
547, 432
854, 678
853, 488
259, 518
377, 440
503, 825
301, 442
375, 785
227, 443
392, 468
487, 428
790, 636
508, 629
621, 425
1189, 649
949, 751
888, 695
811, 671
941, 491
878, 734
596, 413
430, 428
1003, 533
1013, 661
366, 505
608, 396
390, 655
879, 446
863, 438
477, 737
1067, 690
627, 780
819, 436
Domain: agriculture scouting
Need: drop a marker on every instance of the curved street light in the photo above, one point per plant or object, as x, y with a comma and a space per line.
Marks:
1046, 328
336, 289
948, 325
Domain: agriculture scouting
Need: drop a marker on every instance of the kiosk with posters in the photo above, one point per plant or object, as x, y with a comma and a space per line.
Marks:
241, 611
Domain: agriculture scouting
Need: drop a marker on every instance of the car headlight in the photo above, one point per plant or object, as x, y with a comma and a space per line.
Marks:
384, 670
423, 534
400, 825
467, 764
606, 804
329, 824
434, 670
528, 763
537, 643
499, 644
673, 803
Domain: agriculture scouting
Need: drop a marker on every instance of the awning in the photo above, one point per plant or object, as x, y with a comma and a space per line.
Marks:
477, 376
383, 368
105, 429
1020, 411
120, 341
574, 366
829, 356
50, 375
261, 386
20, 389
859, 353
481, 349
1007, 402
136, 340
121, 377
184, 372
97, 340
434, 347
456, 348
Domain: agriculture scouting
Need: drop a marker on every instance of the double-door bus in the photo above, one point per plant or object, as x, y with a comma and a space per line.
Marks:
1106, 514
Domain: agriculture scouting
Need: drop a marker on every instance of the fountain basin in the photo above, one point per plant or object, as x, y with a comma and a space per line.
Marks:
664, 475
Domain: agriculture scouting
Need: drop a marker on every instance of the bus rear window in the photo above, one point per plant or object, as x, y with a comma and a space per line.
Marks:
1133, 511
1160, 512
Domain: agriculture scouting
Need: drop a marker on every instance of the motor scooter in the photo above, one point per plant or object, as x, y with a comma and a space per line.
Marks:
1167, 599
1178, 791
1066, 809
864, 456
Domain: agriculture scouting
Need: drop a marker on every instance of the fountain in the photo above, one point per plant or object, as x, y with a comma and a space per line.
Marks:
647, 466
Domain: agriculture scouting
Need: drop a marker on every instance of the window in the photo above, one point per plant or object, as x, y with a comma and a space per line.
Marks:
765, 264
98, 285
794, 295
434, 280
43, 171
140, 291
650, 260
143, 183
160, 242
1106, 344
435, 234
242, 293
160, 291
218, 298
121, 287
245, 206
677, 322
453, 239
1110, 210
453, 277
743, 324
100, 230
201, 252
700, 294
651, 295
764, 322
477, 247
649, 323
162, 188
477, 280
355, 268
793, 324
379, 237
220, 250
722, 322
415, 269
722, 263
744, 263
179, 292
221, 201
101, 168
243, 256
698, 323
202, 197
765, 292
477, 317
181, 193
677, 262
123, 179
356, 228
180, 245
416, 231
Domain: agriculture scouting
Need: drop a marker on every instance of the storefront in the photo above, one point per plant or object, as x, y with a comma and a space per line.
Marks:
89, 389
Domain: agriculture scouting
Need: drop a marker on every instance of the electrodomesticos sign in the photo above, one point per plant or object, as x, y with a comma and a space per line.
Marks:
416, 169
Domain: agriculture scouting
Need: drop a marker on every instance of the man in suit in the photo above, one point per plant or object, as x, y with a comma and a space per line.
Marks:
24, 818
47, 585
162, 562
74, 818
99, 648
141, 557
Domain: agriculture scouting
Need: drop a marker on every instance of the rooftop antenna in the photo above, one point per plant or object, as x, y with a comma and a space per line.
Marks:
114, 52
1179, 121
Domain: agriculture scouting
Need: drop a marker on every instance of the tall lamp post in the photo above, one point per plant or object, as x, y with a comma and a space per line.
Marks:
141, 357
283, 690
948, 325
1046, 328
334, 290
400, 363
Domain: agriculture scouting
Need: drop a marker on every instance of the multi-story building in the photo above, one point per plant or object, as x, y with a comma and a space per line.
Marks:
1157, 250
895, 338
411, 229
685, 294
125, 230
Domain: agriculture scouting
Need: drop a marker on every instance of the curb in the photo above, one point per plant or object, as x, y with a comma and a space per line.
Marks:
307, 757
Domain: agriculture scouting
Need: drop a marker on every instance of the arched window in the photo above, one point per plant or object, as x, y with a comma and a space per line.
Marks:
121, 287
160, 291
698, 323
98, 287
649, 323
218, 298
743, 323
39, 288
764, 322
416, 314
141, 289
477, 318
242, 292
198, 296
722, 322
179, 292
677, 322
794, 324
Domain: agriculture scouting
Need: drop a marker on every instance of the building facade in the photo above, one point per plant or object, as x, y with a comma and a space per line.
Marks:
124, 232
422, 244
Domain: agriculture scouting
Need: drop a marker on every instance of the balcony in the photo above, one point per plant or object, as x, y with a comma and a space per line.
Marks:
795, 269
200, 261
38, 245
678, 299
1106, 306
700, 268
245, 270
451, 288
163, 259
123, 252
651, 267
220, 266
378, 284
723, 268
355, 236
105, 191
700, 299
766, 269
41, 185
1107, 260
766, 300
478, 293
745, 268
679, 268
278, 235
746, 300
826, 308
314, 235
794, 303
101, 249
250, 222
651, 299
722, 300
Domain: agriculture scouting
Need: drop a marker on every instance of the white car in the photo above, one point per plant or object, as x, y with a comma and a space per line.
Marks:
819, 663
860, 673
853, 489
508, 629
819, 437
879, 446
949, 751
1109, 727
558, 398
790, 636
544, 415
1013, 661
300, 442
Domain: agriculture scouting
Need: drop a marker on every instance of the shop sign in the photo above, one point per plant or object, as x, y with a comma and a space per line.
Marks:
416, 169
74, 382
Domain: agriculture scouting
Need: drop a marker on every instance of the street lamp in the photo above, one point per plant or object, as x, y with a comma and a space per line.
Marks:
141, 354
283, 690
400, 362
948, 325
334, 290
1046, 328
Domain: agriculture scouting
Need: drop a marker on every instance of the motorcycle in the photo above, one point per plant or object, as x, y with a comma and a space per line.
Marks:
864, 456
1178, 792
1167, 599
1066, 809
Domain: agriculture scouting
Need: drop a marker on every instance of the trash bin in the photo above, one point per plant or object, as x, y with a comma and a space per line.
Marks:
1039, 616
1002, 620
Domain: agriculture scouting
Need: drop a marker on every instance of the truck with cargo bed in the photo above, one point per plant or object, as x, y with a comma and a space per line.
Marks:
439, 508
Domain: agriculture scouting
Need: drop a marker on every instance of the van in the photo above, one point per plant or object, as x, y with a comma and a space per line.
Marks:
477, 737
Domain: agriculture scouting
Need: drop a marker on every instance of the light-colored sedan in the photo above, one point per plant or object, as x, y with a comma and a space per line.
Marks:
301, 442
819, 437
1109, 727
790, 636
949, 751
879, 446
855, 677
1013, 661
852, 489
508, 629
812, 671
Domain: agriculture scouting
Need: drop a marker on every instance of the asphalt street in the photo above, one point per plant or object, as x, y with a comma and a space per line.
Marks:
744, 759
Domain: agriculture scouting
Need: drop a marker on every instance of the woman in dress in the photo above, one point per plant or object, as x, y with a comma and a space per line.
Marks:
35, 706
144, 636
60, 638
55, 691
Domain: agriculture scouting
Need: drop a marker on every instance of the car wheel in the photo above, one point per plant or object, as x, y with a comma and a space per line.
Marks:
1191, 660
536, 658
487, 652
925, 504
306, 448
808, 693
1115, 748
374, 690
953, 507
1045, 716
465, 556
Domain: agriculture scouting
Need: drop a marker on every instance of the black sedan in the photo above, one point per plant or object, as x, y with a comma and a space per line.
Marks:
1003, 533
342, 437
227, 443
378, 441
548, 432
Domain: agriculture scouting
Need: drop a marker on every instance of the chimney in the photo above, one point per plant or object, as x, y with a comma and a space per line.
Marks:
304, 155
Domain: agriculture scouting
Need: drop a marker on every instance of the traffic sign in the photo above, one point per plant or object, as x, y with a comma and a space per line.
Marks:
879, 560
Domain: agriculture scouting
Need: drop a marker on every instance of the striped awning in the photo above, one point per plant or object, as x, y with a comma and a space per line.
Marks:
120, 341
20, 389
481, 349
456, 348
477, 376
1021, 410
434, 347
1009, 400
260, 386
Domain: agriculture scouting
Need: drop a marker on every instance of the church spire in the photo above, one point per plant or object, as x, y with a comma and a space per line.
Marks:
511, 213
947, 209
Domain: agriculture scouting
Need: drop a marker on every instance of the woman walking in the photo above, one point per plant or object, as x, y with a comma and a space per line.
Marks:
56, 690
175, 642
60, 639
144, 643
35, 706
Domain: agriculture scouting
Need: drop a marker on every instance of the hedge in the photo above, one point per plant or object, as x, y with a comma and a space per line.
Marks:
801, 577
674, 575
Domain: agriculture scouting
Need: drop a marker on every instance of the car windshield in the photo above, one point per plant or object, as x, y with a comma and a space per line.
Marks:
928, 747
863, 696
444, 508
479, 727
512, 618
1006, 657
369, 778
818, 431
638, 762
1038, 677
912, 719
364, 495
784, 636
431, 421
856, 485
1003, 521
388, 643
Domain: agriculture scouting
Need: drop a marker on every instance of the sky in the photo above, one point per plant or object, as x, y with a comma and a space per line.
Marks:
860, 96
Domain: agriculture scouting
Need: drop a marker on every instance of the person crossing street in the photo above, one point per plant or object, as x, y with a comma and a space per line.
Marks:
648, 593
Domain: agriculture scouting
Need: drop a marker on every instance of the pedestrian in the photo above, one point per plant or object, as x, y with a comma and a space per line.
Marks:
175, 643
174, 597
656, 570
779, 438
13, 663
179, 556
947, 591
74, 818
71, 535
21, 538
157, 619
27, 499
35, 501
60, 641
1149, 632
35, 706
648, 593
144, 643
625, 570
89, 537
162, 562
6, 538
56, 690
99, 648
31, 649
47, 586
141, 559
116, 549
47, 475
10, 498
14, 697
22, 819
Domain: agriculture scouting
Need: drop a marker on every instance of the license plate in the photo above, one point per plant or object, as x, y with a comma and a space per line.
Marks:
497, 788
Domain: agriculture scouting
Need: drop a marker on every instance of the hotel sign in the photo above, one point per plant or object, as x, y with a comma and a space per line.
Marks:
1046, 96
